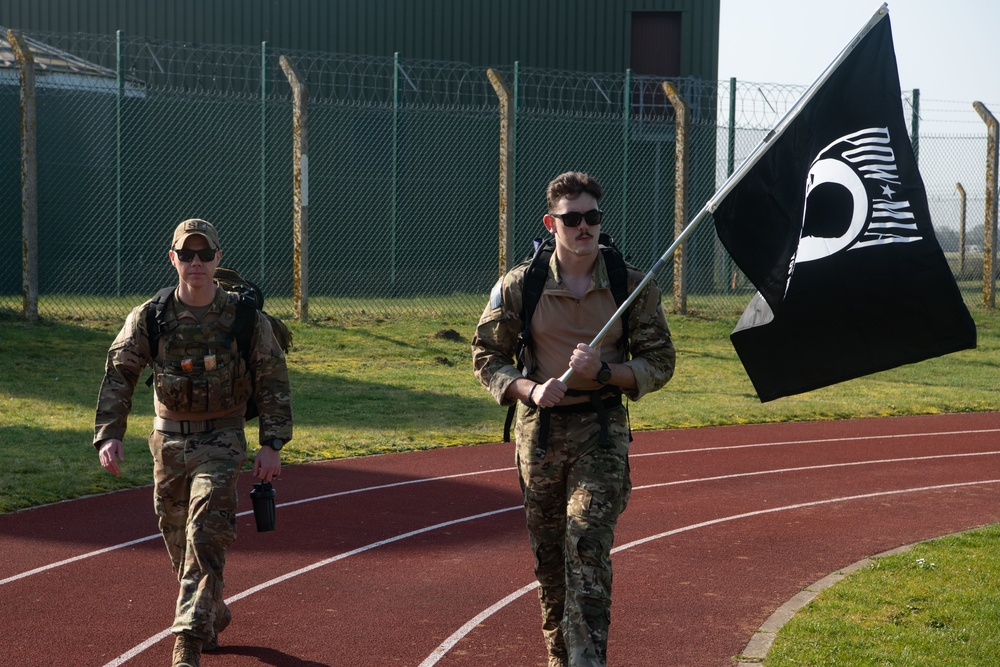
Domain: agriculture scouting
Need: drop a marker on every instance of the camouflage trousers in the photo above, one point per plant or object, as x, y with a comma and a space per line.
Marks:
195, 500
572, 500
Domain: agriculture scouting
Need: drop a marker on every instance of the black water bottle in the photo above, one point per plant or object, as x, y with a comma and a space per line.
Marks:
262, 497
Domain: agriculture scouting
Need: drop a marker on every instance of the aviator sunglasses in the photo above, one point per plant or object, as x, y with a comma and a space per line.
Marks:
186, 254
573, 218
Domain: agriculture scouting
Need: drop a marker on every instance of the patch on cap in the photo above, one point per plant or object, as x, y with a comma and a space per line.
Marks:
195, 226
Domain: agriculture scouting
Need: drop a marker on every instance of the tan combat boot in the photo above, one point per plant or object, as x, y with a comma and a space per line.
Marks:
187, 651
223, 618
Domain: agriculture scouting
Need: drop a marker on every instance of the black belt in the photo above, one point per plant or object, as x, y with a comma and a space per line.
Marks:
595, 404
189, 427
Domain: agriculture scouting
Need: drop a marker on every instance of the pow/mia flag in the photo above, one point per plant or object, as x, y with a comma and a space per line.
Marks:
832, 226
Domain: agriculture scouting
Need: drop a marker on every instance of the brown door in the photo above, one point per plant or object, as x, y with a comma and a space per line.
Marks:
656, 44
655, 52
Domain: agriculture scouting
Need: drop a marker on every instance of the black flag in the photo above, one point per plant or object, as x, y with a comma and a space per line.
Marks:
831, 224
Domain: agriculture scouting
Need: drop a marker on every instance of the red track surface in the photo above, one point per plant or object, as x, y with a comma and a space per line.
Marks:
724, 525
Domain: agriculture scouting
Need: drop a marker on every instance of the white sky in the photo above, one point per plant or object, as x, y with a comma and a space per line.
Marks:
946, 49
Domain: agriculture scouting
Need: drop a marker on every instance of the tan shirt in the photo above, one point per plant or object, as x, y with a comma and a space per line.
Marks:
567, 321
559, 322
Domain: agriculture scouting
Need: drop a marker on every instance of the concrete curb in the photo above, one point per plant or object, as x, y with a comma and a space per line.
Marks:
757, 648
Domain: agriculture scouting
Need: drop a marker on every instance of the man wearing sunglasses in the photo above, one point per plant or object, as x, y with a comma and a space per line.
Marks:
573, 437
202, 384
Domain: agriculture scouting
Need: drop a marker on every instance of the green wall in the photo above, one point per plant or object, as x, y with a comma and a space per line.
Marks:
587, 35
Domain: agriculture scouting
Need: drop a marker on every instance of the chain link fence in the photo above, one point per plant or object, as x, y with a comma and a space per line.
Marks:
134, 136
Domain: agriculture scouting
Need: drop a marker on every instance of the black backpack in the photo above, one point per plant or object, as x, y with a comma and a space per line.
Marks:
534, 283
251, 299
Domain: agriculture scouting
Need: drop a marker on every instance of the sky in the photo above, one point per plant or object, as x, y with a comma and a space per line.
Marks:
947, 50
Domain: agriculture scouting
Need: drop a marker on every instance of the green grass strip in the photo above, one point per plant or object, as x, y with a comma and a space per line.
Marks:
933, 606
383, 383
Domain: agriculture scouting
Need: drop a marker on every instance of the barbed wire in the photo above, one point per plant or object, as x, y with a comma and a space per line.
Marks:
363, 80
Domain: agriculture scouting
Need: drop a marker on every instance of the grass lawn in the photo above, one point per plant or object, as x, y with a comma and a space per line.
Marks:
395, 383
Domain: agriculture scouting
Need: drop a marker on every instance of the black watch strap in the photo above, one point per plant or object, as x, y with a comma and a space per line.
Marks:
604, 375
273, 443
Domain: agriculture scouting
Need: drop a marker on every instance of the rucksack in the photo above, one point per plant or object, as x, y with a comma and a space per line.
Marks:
534, 284
231, 281
250, 300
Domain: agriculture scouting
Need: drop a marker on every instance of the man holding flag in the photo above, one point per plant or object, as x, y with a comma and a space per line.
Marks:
572, 429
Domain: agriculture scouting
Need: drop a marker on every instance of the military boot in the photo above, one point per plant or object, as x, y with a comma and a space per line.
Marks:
223, 618
558, 661
187, 651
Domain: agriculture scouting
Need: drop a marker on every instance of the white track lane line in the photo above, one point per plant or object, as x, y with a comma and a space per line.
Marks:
820, 441
459, 634
465, 629
309, 568
91, 554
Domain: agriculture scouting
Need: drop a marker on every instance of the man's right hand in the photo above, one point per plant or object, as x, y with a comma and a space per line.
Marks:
549, 393
110, 453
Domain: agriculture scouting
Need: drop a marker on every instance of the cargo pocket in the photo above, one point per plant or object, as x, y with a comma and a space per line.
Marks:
242, 387
219, 390
174, 392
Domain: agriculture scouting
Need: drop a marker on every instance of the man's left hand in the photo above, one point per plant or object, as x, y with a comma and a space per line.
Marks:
267, 465
586, 361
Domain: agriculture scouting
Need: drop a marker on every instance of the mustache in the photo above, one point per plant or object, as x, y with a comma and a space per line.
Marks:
585, 235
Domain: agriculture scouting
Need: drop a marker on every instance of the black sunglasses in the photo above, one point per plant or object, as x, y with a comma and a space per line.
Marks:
573, 219
206, 255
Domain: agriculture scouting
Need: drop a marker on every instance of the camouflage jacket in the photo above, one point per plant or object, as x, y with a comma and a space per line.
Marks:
652, 354
130, 353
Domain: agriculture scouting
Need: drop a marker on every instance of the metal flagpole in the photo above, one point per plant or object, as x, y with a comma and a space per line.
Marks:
737, 175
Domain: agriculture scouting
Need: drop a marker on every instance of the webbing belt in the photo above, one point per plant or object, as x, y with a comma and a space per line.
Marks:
188, 427
596, 404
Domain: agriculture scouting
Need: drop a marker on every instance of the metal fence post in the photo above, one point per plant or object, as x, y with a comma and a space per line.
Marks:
915, 126
515, 109
263, 163
395, 170
505, 232
731, 156
29, 178
120, 96
680, 194
730, 272
300, 159
990, 223
961, 229
626, 127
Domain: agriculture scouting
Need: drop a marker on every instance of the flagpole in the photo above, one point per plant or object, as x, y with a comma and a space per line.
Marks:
737, 175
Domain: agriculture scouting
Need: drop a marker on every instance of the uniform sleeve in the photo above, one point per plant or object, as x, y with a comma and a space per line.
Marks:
652, 351
128, 355
495, 342
272, 392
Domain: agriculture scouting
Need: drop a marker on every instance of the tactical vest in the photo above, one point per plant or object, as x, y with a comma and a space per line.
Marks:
201, 370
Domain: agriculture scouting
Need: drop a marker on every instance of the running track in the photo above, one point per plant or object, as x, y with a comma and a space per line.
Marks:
421, 559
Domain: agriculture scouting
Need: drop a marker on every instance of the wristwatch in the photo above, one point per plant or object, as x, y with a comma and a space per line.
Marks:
273, 443
604, 375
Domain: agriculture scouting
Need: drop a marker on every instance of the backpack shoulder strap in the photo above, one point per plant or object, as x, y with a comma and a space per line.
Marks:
617, 269
156, 322
531, 292
534, 284
243, 325
618, 277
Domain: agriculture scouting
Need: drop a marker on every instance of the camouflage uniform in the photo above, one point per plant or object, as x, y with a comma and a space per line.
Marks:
201, 388
574, 495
